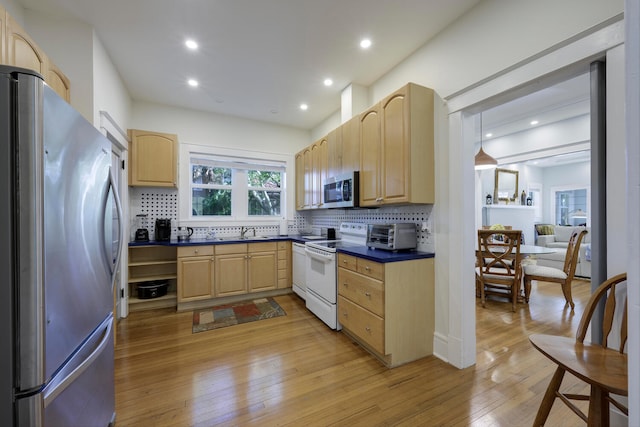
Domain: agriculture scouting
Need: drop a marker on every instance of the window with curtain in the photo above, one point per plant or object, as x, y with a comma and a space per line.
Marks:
236, 188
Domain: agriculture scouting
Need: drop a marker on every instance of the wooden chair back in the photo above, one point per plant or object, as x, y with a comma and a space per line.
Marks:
573, 253
499, 252
606, 293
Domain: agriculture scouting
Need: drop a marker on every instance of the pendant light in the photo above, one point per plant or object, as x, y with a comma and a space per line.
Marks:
483, 160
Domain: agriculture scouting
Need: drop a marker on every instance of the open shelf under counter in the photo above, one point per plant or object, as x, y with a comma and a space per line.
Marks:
150, 263
168, 300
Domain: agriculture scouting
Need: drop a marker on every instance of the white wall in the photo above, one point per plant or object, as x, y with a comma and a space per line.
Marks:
196, 127
109, 92
15, 10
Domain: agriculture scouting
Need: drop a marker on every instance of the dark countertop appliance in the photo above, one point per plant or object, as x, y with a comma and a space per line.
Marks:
163, 229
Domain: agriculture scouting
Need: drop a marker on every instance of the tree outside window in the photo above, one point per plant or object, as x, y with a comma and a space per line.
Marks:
264, 190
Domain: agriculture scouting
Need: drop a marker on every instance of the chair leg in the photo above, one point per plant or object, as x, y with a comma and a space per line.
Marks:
549, 397
482, 294
566, 291
514, 296
570, 298
598, 408
527, 288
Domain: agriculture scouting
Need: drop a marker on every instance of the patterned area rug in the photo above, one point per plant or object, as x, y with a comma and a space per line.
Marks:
233, 314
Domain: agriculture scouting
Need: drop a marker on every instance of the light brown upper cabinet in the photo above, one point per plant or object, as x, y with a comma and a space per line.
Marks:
154, 159
350, 146
334, 153
300, 180
396, 149
20, 50
58, 81
319, 153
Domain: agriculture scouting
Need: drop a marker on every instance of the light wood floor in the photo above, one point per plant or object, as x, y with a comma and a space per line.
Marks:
294, 371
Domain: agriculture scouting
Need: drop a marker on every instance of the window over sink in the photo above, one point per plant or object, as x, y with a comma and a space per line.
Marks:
235, 187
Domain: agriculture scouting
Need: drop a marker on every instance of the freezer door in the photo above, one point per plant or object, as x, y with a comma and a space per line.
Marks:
78, 268
82, 393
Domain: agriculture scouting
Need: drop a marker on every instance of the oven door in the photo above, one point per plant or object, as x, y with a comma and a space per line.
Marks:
321, 285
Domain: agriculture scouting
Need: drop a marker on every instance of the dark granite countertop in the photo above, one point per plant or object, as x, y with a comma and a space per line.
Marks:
376, 255
379, 255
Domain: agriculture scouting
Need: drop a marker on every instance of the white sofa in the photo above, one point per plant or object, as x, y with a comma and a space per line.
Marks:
560, 240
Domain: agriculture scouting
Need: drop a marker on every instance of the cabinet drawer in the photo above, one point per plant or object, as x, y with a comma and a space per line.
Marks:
370, 268
362, 323
282, 264
262, 247
283, 274
347, 261
362, 290
283, 245
236, 248
282, 255
185, 251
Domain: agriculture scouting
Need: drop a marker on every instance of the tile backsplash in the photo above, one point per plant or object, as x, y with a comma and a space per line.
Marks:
163, 203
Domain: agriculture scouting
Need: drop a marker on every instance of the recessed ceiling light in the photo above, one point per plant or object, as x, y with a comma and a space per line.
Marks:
192, 82
534, 122
488, 135
365, 43
328, 82
304, 107
191, 44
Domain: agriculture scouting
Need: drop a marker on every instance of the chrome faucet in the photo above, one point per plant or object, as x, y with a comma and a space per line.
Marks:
243, 231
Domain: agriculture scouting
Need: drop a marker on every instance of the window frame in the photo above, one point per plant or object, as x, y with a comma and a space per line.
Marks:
239, 210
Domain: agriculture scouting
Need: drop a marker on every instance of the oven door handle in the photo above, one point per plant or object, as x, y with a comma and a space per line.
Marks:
319, 256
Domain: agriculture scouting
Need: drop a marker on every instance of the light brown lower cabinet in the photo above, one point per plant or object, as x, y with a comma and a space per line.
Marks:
195, 273
231, 270
388, 308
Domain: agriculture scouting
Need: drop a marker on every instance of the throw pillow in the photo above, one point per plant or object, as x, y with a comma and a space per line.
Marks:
545, 229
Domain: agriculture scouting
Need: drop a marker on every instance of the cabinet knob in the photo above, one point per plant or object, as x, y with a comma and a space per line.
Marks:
345, 314
367, 268
195, 251
367, 294
345, 284
344, 261
368, 329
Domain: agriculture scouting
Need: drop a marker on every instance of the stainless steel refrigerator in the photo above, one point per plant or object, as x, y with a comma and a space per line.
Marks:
60, 231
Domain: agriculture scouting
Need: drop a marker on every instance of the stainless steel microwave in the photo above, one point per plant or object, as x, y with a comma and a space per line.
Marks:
342, 191
392, 237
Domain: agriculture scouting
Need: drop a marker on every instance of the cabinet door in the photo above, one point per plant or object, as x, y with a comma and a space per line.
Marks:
22, 51
350, 146
195, 278
370, 141
231, 275
308, 177
319, 167
396, 149
263, 273
3, 31
153, 159
58, 81
334, 152
300, 190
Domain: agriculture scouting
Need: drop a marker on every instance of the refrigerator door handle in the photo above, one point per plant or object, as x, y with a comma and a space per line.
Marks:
56, 387
115, 264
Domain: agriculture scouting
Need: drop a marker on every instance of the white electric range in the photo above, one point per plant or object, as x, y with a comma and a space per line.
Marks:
321, 271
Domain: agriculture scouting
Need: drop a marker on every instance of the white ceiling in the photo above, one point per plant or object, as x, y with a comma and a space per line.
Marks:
258, 59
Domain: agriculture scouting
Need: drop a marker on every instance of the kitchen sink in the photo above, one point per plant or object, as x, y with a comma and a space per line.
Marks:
238, 238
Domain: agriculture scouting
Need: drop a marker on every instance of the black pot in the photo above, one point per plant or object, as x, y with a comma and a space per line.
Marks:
155, 289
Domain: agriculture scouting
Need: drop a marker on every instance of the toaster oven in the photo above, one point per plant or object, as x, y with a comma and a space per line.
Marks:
392, 237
